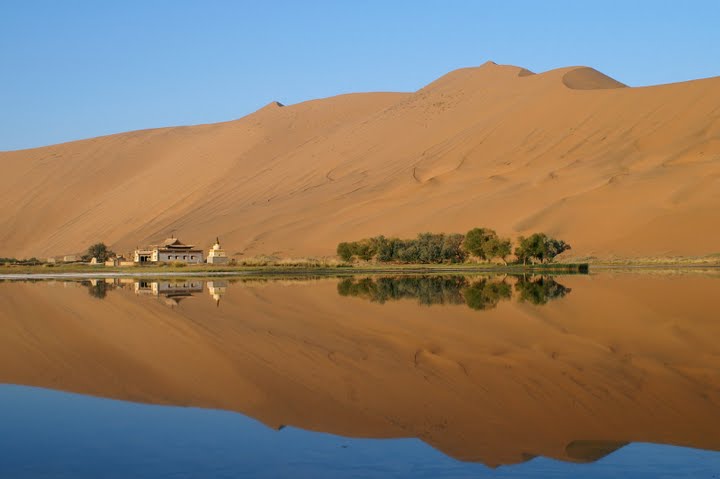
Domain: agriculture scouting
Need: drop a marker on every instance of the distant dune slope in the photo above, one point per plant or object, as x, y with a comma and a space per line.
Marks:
613, 170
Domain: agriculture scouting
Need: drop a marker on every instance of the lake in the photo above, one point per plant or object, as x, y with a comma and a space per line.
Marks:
614, 374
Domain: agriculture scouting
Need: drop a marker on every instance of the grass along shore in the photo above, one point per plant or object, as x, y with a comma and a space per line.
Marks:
332, 266
80, 269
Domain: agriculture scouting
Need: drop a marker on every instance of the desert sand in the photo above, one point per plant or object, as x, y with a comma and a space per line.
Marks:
619, 359
613, 170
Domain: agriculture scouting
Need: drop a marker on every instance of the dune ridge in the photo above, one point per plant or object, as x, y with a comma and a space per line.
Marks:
616, 171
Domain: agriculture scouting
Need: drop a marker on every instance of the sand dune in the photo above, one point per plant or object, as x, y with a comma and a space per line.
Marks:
620, 359
611, 169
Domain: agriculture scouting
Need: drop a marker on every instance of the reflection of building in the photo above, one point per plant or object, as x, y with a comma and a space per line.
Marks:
217, 254
168, 288
145, 287
171, 250
217, 289
172, 291
178, 289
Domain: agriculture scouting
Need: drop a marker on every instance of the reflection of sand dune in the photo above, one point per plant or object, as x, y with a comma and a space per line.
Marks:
618, 360
569, 151
588, 451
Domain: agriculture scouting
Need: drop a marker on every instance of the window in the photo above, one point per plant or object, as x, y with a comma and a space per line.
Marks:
184, 257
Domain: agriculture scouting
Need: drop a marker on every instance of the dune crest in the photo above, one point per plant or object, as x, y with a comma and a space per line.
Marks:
493, 146
584, 78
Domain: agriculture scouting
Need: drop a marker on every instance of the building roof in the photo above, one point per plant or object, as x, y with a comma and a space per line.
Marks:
170, 244
174, 243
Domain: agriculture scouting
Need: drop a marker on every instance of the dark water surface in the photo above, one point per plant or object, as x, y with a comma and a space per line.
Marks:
607, 375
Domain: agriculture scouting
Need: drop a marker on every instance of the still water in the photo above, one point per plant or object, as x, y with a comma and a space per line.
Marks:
603, 375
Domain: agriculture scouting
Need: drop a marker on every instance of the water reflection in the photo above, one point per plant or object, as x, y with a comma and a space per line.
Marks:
623, 359
171, 292
97, 288
480, 293
540, 289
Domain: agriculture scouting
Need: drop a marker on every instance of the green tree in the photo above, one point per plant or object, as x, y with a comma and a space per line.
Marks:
499, 248
452, 250
554, 247
429, 247
526, 249
486, 244
99, 251
407, 251
475, 241
539, 247
385, 249
344, 251
363, 249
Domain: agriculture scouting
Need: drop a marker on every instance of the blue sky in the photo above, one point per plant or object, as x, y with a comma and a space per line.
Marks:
75, 69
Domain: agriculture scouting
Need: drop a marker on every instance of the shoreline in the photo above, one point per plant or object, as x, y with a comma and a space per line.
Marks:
554, 269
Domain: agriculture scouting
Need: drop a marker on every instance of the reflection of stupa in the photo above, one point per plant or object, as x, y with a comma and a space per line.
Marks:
217, 254
217, 289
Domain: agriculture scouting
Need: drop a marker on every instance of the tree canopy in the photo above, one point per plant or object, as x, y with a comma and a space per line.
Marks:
486, 244
539, 247
483, 243
99, 251
426, 248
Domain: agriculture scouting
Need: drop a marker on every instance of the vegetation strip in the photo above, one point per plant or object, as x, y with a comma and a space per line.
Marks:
483, 244
40, 272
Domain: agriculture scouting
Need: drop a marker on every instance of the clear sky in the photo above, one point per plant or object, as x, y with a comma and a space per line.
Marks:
74, 69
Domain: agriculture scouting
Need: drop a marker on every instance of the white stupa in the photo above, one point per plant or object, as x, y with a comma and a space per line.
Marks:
217, 254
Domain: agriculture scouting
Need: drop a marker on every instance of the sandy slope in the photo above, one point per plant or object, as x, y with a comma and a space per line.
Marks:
613, 170
616, 360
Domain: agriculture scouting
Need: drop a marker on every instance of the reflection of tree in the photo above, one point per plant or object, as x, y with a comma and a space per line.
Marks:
426, 289
97, 289
480, 294
486, 294
540, 289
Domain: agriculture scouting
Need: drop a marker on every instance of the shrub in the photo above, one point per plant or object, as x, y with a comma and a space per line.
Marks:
25, 262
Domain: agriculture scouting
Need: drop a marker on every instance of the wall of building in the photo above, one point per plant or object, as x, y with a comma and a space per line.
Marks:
161, 255
182, 256
217, 259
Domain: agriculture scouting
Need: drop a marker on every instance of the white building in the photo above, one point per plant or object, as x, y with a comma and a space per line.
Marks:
217, 254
